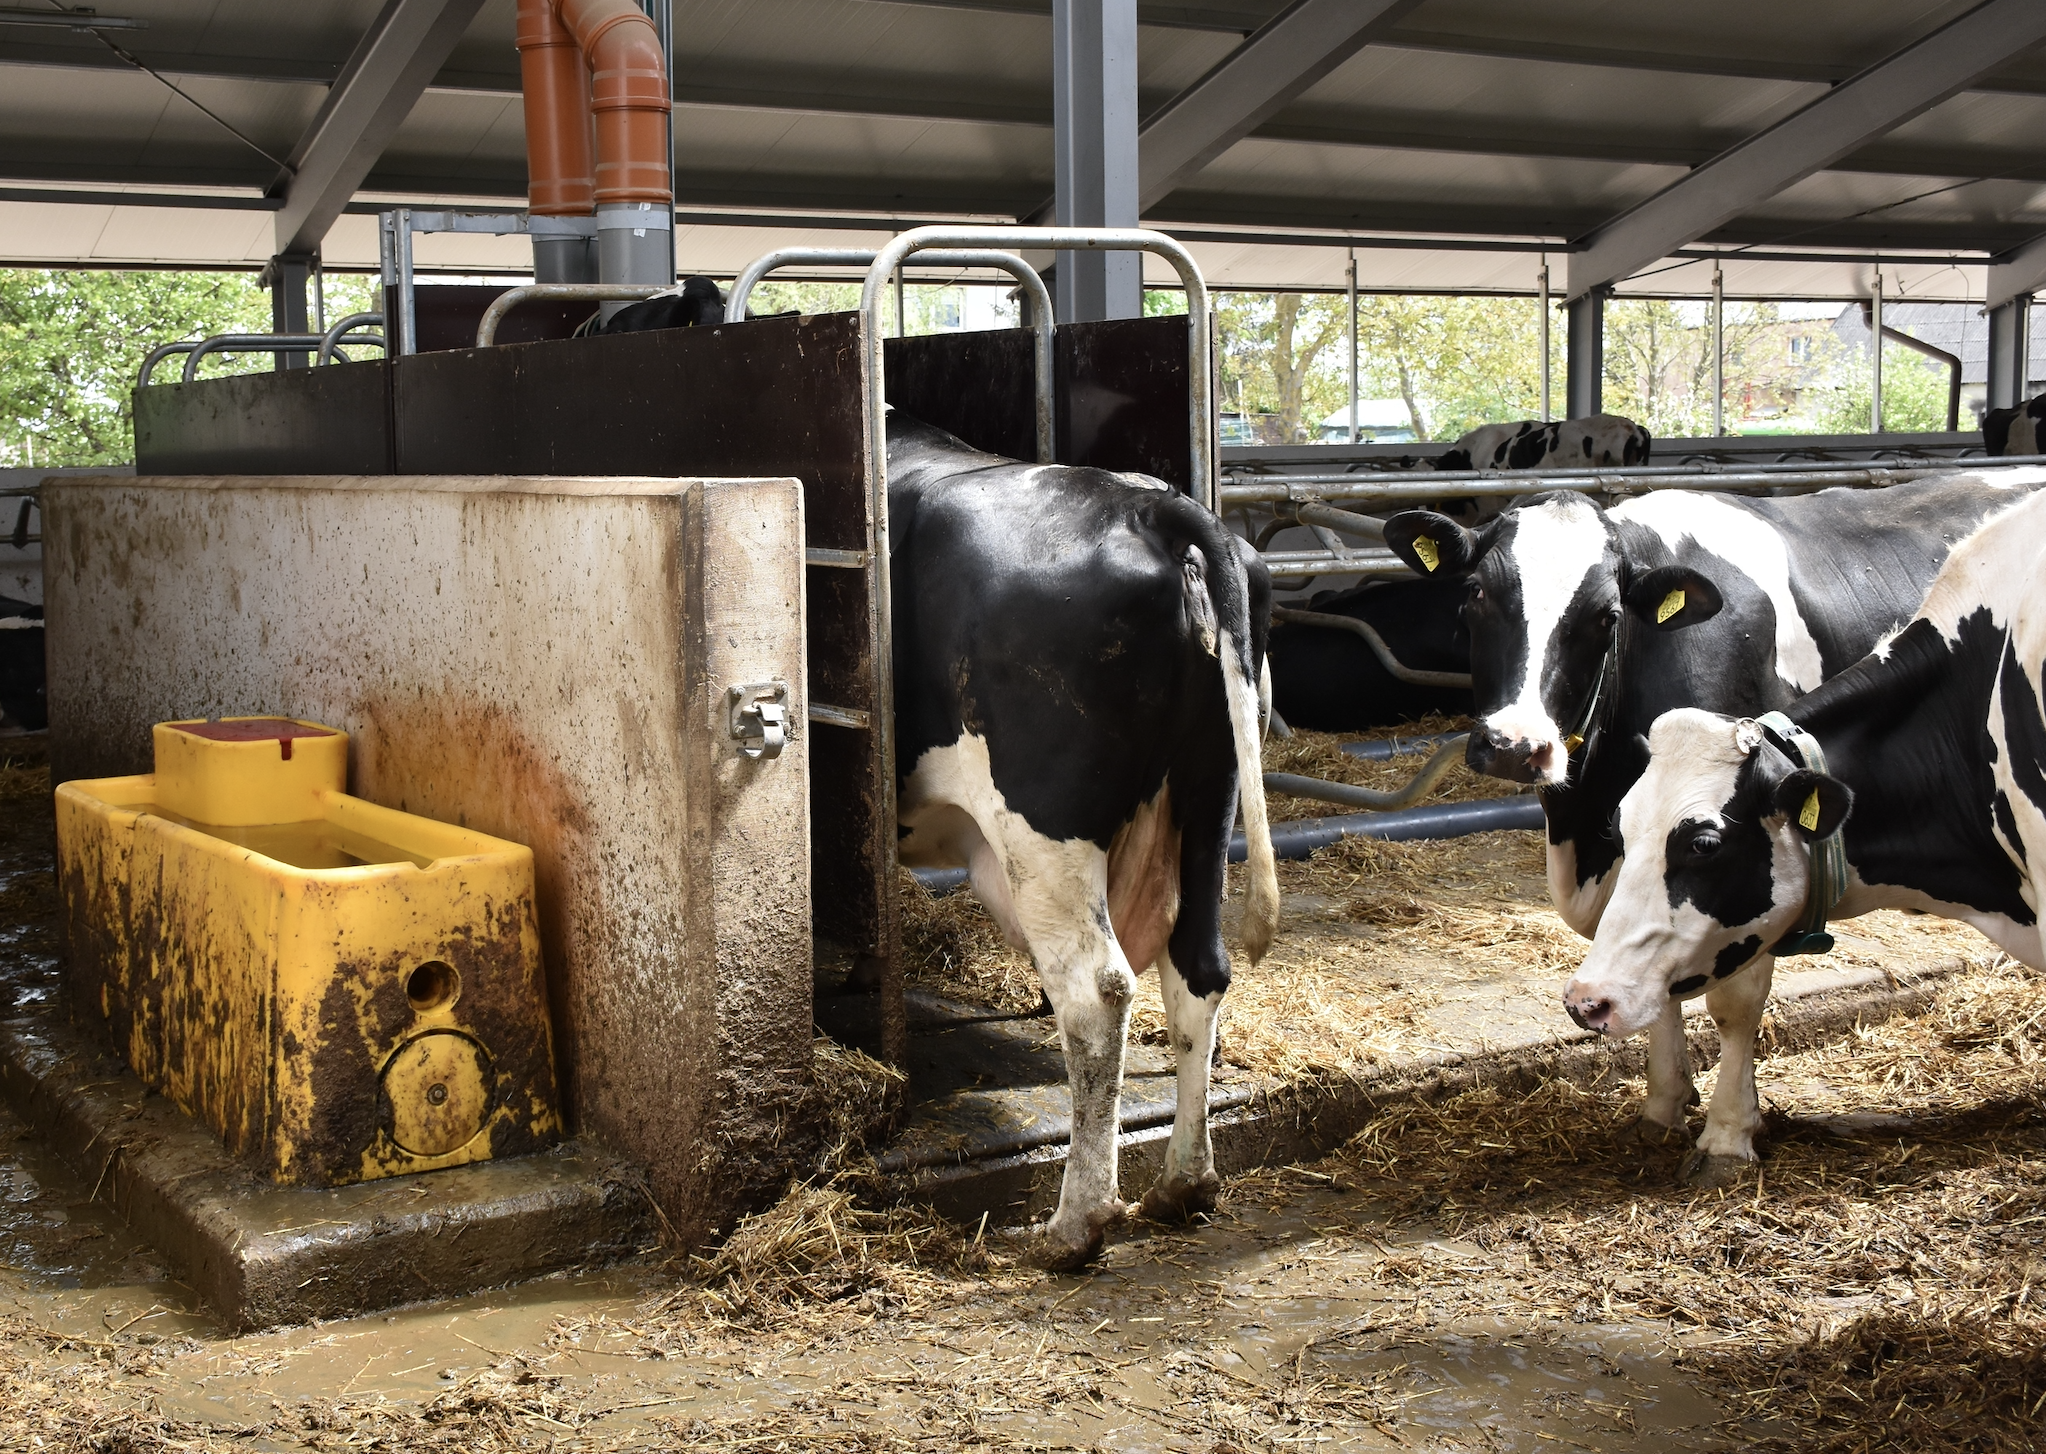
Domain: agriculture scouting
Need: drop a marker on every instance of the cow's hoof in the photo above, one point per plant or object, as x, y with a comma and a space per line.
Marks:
1642, 1134
1179, 1198
1709, 1171
1068, 1249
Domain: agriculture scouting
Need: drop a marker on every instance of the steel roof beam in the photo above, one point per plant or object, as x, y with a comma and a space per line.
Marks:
2020, 271
1231, 19
1846, 118
1250, 85
408, 43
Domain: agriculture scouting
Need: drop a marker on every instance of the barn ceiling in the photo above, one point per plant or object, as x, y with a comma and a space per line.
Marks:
1468, 141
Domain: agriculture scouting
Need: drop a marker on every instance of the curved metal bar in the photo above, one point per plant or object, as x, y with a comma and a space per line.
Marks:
486, 330
157, 355
1028, 277
1314, 513
248, 343
1458, 679
873, 293
1418, 786
348, 325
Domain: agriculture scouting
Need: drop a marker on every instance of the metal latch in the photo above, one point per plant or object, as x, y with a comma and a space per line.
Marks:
758, 712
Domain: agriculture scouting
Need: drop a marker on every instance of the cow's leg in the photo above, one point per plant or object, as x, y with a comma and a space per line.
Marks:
1061, 904
1670, 1091
1193, 973
1727, 1144
1188, 1184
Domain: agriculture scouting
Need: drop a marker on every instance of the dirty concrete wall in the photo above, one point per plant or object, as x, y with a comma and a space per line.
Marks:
545, 660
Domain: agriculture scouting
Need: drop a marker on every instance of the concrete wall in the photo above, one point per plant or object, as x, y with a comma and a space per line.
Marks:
541, 659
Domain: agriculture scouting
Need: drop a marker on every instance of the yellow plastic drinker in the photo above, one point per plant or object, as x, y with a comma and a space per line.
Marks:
340, 991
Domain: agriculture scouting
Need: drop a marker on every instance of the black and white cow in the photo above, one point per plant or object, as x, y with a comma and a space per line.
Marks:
2018, 430
1576, 617
1597, 441
1077, 657
1935, 760
697, 303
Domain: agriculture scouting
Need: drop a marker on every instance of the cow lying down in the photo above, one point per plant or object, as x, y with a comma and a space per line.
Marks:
1927, 756
1598, 441
1077, 657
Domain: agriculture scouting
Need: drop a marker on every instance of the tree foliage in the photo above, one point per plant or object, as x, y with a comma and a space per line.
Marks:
71, 343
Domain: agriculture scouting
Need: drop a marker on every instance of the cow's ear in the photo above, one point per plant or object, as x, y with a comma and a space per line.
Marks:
1815, 804
1432, 544
1671, 597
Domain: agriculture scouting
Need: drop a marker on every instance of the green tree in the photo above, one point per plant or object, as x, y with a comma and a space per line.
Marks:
1914, 394
71, 343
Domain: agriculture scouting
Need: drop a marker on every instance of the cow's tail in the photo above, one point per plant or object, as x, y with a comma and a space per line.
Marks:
1261, 882
1226, 607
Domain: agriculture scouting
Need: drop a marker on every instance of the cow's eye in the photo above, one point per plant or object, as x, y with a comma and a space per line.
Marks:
1704, 845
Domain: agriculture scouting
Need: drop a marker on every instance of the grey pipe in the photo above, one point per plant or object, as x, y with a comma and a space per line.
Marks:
1312, 512
332, 338
1418, 787
1423, 485
247, 343
493, 316
157, 355
1027, 277
1300, 837
1938, 355
1379, 649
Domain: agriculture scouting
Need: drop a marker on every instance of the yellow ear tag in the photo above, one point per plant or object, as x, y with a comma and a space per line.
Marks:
1424, 547
1671, 604
1808, 819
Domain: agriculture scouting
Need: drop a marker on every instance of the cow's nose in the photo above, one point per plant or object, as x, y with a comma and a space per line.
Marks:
1591, 1012
1494, 754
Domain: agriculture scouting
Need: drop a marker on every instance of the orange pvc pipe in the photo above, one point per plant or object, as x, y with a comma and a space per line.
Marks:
628, 98
560, 169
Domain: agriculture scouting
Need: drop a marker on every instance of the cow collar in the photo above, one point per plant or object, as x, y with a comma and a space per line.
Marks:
1828, 855
1586, 726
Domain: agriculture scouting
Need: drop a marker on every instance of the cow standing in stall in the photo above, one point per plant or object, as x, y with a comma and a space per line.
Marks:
1928, 756
1587, 624
1077, 659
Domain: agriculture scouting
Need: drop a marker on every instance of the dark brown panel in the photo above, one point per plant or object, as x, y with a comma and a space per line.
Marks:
333, 420
979, 386
1122, 401
778, 396
446, 315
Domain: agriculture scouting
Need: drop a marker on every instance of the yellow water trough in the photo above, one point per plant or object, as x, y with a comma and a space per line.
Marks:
340, 991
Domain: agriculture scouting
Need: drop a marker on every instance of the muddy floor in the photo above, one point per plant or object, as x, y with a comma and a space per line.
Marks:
1488, 1272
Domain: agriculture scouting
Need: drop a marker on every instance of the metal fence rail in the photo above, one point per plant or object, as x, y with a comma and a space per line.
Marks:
1308, 497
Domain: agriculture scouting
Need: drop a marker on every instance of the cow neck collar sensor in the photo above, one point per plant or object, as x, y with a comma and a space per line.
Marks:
1587, 724
1827, 856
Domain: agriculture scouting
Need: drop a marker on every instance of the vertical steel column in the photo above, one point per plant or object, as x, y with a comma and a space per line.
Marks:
287, 275
1543, 322
1094, 138
1718, 353
2010, 348
1585, 358
1875, 339
1353, 345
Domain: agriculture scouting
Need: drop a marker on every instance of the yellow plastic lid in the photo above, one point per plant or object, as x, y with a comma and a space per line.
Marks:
242, 771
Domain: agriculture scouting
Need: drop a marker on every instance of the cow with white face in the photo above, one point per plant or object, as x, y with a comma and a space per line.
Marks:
1586, 625
1928, 757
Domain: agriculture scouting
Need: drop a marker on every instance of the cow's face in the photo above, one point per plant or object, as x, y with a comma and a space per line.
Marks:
1716, 865
1548, 586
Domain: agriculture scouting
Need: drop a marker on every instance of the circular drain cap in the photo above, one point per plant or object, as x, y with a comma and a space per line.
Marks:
439, 1089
